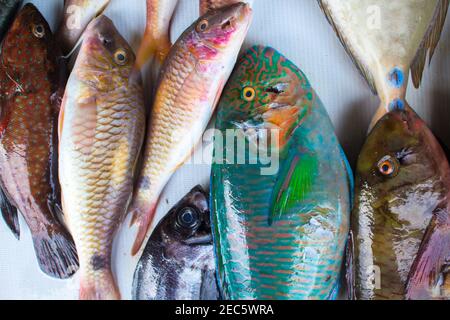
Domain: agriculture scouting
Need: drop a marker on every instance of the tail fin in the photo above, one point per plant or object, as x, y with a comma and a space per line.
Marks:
143, 217
56, 253
103, 287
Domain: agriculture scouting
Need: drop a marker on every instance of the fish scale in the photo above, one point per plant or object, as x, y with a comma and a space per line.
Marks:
298, 255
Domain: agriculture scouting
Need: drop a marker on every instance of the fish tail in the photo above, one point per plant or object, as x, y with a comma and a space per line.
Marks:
142, 217
103, 287
56, 252
146, 53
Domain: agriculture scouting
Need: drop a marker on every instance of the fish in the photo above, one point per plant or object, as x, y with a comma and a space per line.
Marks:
400, 223
178, 261
32, 78
208, 5
8, 9
77, 15
156, 42
280, 218
101, 130
191, 81
386, 39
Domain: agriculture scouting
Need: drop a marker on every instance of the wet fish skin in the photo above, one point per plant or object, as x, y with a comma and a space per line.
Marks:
156, 42
279, 236
32, 81
189, 88
208, 5
178, 261
77, 15
102, 126
386, 39
8, 9
392, 212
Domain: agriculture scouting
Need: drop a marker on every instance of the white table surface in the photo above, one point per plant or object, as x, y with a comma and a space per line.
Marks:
299, 30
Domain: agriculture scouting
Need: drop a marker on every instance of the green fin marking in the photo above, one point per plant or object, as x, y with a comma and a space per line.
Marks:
293, 184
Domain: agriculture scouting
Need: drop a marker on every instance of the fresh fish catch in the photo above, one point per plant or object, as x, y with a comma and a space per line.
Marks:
386, 39
279, 233
32, 78
102, 125
191, 81
178, 261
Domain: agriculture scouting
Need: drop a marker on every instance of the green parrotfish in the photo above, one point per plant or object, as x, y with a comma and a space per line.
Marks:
281, 206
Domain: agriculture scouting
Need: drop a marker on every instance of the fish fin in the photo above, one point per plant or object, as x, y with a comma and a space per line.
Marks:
61, 115
106, 289
349, 267
348, 168
155, 47
9, 213
364, 70
432, 260
143, 220
430, 42
295, 180
208, 286
56, 252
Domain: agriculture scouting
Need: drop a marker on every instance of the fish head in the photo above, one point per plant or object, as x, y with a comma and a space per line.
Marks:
187, 224
29, 40
105, 57
267, 96
219, 31
399, 168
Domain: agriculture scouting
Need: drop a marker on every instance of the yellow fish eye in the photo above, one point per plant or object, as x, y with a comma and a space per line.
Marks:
38, 30
202, 25
249, 94
121, 57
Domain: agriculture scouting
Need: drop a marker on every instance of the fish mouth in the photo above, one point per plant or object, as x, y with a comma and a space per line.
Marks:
199, 241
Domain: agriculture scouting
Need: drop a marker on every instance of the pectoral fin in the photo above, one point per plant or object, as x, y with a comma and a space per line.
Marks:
9, 213
349, 267
429, 274
430, 42
294, 182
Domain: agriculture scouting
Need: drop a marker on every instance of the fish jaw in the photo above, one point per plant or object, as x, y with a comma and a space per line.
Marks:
77, 15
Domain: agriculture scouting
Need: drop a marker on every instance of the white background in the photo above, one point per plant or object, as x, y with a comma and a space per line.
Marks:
299, 30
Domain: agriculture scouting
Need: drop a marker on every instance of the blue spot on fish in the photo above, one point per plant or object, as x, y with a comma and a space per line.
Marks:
397, 104
396, 78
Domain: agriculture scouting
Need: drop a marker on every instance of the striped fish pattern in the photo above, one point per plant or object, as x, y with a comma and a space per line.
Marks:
279, 236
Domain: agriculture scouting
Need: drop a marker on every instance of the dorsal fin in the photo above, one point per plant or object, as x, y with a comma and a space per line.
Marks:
361, 67
429, 42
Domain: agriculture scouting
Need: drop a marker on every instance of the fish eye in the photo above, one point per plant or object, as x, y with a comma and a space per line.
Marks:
121, 57
188, 218
388, 166
202, 25
249, 94
38, 30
